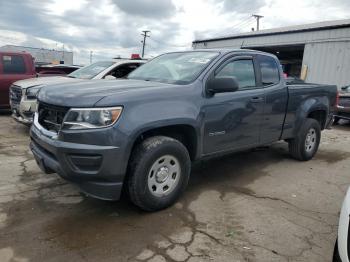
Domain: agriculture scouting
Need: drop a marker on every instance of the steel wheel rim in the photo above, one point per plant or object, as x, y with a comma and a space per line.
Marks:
164, 175
310, 140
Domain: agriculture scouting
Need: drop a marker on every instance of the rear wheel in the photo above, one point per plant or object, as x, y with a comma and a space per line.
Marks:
305, 145
336, 120
158, 173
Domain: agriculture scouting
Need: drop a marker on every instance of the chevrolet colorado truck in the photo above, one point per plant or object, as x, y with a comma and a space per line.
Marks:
141, 134
23, 93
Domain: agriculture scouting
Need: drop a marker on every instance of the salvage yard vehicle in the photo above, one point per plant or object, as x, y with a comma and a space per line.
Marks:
55, 70
142, 133
343, 108
342, 247
23, 93
14, 66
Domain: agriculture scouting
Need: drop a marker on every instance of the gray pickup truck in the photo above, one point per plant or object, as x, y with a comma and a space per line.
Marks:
141, 134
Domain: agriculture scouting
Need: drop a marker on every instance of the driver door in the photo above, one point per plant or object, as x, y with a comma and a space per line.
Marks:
232, 120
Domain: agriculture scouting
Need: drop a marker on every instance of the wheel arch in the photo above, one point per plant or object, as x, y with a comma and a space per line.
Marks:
185, 132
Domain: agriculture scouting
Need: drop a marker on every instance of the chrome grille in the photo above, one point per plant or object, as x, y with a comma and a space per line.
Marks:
15, 94
51, 117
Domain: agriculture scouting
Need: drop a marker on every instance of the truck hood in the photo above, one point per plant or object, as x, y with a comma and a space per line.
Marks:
39, 81
88, 93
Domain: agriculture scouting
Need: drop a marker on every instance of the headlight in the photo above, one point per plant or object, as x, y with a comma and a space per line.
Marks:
32, 92
86, 118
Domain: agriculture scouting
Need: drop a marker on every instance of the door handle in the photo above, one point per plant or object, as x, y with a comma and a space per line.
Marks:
257, 99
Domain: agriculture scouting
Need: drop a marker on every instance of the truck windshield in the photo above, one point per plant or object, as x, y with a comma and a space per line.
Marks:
174, 68
90, 71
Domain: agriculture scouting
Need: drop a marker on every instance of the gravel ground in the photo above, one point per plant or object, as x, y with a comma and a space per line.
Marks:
252, 206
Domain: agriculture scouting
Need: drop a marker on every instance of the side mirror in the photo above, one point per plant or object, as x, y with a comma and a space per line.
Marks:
222, 85
110, 77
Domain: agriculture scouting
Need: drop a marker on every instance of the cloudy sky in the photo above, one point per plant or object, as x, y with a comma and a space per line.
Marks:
113, 27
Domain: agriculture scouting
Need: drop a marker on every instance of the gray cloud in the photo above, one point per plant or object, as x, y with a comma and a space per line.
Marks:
24, 16
147, 8
120, 35
239, 6
99, 30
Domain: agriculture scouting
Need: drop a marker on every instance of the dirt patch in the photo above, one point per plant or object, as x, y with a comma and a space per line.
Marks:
332, 157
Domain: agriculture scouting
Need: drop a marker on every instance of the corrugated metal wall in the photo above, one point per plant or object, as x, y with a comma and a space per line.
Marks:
328, 62
279, 39
327, 52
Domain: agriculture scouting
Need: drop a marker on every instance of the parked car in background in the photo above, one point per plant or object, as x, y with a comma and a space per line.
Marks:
23, 93
342, 247
294, 80
14, 66
343, 109
55, 70
143, 132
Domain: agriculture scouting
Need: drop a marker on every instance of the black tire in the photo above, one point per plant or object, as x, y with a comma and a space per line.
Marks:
336, 120
297, 145
336, 256
144, 157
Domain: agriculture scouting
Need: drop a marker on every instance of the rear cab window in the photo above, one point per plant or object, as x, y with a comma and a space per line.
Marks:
269, 69
13, 64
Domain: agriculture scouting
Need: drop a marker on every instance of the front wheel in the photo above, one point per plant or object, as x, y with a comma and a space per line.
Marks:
305, 145
158, 173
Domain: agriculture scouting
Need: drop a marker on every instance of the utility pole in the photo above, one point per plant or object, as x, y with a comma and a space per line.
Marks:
63, 53
257, 17
145, 32
90, 57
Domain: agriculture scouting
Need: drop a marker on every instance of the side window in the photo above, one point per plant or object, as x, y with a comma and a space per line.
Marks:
123, 70
269, 70
243, 70
13, 64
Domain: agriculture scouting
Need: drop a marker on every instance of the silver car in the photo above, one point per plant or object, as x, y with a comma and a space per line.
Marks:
23, 93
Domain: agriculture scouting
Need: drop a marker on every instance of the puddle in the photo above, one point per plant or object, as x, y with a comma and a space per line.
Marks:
103, 231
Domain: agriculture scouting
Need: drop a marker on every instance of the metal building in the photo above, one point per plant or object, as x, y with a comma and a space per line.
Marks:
42, 55
318, 52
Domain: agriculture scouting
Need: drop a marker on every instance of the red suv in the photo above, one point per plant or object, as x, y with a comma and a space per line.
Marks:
14, 66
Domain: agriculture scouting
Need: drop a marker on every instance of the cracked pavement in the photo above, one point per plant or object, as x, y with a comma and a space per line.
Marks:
259, 205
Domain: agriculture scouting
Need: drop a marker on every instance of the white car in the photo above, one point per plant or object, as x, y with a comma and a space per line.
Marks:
23, 93
342, 249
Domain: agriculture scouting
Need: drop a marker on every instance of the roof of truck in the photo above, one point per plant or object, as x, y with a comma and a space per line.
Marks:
14, 53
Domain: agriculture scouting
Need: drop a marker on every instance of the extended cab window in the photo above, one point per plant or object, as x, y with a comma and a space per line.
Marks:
13, 64
123, 70
269, 70
243, 70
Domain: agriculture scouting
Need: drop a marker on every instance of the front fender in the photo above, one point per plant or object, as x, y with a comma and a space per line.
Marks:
141, 118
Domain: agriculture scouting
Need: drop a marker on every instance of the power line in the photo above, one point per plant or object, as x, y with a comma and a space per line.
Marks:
170, 45
243, 26
145, 32
234, 26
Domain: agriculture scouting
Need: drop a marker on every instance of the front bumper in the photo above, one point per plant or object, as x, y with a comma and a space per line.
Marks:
24, 111
97, 169
343, 230
343, 112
